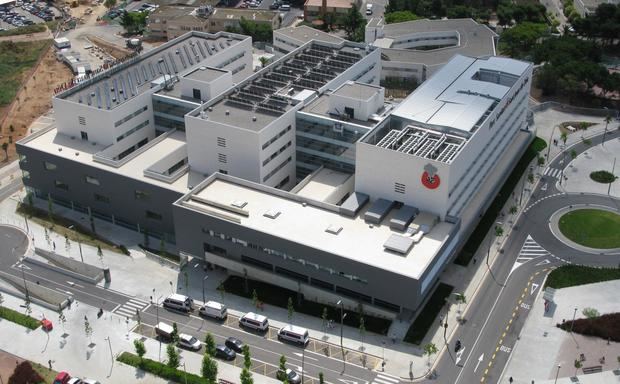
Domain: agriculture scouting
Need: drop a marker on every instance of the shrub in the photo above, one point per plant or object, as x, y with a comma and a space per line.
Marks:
603, 177
572, 275
123, 249
25, 374
606, 327
19, 318
159, 369
427, 316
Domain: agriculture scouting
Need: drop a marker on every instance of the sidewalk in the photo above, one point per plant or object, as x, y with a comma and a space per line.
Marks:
542, 346
600, 157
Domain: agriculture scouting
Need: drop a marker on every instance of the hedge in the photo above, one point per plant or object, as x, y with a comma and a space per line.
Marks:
603, 177
427, 315
572, 275
19, 318
160, 369
606, 327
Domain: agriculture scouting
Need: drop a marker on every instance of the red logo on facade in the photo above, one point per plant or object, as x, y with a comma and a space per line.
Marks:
430, 178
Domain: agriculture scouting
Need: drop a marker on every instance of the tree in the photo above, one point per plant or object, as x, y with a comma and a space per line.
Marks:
429, 350
587, 142
282, 363
173, 356
210, 345
519, 40
28, 307
255, 298
175, 332
354, 24
530, 178
67, 243
134, 22
590, 313
577, 365
564, 137
290, 310
607, 120
100, 254
540, 161
209, 369
499, 231
573, 154
321, 378
247, 360
5, 148
512, 210
460, 299
109, 4
246, 377
24, 374
47, 237
61, 317
362, 330
324, 319
222, 290
263, 61
88, 329
258, 31
400, 17
140, 348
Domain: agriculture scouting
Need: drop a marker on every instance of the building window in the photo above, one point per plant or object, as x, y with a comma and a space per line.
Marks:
222, 158
256, 263
49, 166
221, 142
321, 283
196, 93
131, 116
214, 249
84, 135
133, 130
92, 180
82, 120
141, 195
387, 305
102, 198
61, 185
153, 215
353, 294
223, 172
292, 274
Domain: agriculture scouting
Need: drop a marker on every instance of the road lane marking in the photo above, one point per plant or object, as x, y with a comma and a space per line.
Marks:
534, 286
479, 361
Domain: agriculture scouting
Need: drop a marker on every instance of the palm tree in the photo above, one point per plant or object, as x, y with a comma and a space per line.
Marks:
263, 61
5, 148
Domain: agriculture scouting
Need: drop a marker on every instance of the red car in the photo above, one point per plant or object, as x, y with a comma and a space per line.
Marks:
62, 378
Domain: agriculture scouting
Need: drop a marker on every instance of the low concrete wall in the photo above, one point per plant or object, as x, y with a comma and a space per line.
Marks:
38, 294
162, 260
69, 265
66, 272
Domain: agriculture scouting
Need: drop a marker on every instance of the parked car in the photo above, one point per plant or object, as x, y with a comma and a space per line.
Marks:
234, 344
214, 309
90, 381
62, 378
189, 342
75, 380
291, 376
224, 352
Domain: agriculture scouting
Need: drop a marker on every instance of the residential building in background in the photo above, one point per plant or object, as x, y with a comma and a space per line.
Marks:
338, 8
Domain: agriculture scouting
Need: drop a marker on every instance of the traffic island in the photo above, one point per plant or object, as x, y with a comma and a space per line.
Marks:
592, 228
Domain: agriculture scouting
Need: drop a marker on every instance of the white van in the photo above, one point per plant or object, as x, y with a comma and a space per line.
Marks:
368, 9
294, 334
164, 331
285, 7
214, 309
178, 302
254, 321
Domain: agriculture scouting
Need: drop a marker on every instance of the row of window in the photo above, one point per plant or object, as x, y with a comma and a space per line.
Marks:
425, 39
130, 116
276, 153
283, 255
276, 137
278, 168
133, 130
399, 69
231, 60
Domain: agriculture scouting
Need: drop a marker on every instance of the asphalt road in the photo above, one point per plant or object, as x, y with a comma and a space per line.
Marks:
504, 299
266, 350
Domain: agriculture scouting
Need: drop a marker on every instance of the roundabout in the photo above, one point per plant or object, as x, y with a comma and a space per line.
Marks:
597, 228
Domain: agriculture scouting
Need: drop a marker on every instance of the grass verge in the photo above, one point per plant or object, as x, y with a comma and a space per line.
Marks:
572, 275
427, 315
60, 225
24, 30
278, 297
592, 228
486, 222
606, 327
15, 60
19, 318
159, 369
47, 374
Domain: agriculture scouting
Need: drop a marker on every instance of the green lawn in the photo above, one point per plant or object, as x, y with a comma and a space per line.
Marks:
15, 59
160, 369
19, 318
572, 275
592, 228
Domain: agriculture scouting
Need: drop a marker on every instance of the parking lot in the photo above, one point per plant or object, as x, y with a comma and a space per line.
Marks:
27, 13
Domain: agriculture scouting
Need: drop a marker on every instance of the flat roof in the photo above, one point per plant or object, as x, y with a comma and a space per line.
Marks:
475, 40
171, 11
308, 223
303, 34
57, 144
330, 3
248, 14
134, 76
206, 74
357, 90
459, 95
264, 97
322, 184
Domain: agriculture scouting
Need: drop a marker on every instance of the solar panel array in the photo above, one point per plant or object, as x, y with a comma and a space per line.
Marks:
423, 143
127, 80
311, 68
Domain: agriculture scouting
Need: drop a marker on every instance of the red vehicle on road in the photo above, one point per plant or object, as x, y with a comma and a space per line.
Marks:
62, 378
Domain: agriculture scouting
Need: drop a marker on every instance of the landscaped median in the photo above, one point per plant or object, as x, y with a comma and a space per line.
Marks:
572, 275
593, 228
160, 369
19, 318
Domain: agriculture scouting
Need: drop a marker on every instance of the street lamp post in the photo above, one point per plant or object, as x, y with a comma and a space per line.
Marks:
573, 322
79, 243
110, 345
342, 316
184, 373
613, 168
557, 374
549, 144
303, 370
23, 272
203, 289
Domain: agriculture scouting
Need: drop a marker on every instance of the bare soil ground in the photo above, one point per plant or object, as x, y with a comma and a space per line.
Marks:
111, 49
34, 99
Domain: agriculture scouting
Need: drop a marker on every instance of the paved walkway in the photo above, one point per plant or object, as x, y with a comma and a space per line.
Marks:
542, 346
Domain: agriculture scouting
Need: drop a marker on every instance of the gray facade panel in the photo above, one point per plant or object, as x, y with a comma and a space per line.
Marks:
120, 190
193, 231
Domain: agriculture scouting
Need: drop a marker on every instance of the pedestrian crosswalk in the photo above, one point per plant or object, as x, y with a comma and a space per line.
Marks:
130, 307
383, 378
553, 172
530, 250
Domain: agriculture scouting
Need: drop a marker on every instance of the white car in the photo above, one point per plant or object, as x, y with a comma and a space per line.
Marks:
90, 381
189, 342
